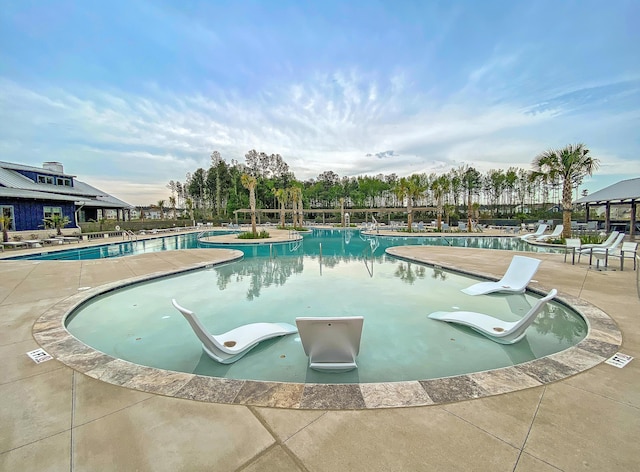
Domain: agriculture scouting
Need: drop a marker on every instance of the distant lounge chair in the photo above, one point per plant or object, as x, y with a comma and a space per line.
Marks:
604, 252
607, 247
228, 347
539, 232
332, 344
586, 248
515, 280
503, 332
557, 232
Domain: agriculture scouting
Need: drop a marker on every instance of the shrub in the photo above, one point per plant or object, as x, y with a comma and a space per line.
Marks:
249, 235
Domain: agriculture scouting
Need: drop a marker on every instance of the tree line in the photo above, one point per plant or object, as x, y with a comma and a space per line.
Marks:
264, 181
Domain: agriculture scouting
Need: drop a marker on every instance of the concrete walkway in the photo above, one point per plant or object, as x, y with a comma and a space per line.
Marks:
54, 418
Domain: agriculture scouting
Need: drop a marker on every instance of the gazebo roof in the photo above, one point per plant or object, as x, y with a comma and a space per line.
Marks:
623, 191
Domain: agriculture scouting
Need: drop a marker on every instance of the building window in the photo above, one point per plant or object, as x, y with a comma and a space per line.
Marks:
63, 181
46, 179
7, 212
50, 212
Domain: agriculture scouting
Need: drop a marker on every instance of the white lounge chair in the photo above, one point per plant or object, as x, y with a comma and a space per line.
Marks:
515, 279
332, 344
586, 248
601, 253
503, 332
557, 232
228, 347
539, 232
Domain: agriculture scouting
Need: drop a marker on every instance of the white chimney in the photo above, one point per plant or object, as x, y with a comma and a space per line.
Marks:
54, 166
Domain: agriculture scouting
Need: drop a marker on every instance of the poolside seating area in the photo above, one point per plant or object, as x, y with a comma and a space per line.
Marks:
86, 424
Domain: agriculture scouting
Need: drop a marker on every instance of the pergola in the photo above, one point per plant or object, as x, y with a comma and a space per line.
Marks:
333, 211
625, 192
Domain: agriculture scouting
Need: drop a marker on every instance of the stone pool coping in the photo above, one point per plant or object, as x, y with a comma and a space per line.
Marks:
602, 341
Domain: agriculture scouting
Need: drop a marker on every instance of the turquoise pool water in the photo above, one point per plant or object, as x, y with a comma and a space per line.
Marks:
353, 276
333, 239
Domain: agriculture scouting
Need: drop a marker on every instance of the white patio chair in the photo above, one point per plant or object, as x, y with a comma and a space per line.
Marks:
572, 245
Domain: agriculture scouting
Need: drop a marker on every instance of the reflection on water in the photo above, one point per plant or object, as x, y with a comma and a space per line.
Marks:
561, 323
261, 273
409, 273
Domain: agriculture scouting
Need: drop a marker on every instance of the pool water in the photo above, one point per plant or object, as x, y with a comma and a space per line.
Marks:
328, 273
333, 239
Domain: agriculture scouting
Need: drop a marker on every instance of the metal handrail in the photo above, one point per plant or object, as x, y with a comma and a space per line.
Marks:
129, 234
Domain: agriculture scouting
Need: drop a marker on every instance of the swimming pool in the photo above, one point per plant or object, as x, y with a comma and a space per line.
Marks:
335, 237
121, 249
329, 273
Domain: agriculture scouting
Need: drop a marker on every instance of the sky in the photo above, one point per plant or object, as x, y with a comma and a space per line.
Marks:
130, 94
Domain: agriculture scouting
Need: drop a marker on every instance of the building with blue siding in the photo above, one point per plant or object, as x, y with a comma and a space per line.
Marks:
29, 195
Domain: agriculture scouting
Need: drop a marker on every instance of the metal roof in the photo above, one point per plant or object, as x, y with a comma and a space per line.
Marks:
33, 195
623, 191
11, 178
40, 170
13, 184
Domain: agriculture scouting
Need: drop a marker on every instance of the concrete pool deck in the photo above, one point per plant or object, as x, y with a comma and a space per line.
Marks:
54, 418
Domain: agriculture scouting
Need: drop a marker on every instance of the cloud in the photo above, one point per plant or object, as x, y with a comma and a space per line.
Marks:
326, 122
386, 154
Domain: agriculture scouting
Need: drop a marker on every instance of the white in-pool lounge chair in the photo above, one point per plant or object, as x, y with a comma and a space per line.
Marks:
503, 332
515, 279
557, 232
228, 347
332, 344
539, 232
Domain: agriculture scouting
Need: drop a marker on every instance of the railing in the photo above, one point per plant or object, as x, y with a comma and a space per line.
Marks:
130, 235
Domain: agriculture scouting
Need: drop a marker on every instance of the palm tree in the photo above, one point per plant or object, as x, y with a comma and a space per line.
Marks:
5, 222
188, 203
249, 182
172, 202
440, 187
569, 165
410, 188
342, 222
471, 180
56, 221
295, 193
161, 206
282, 196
